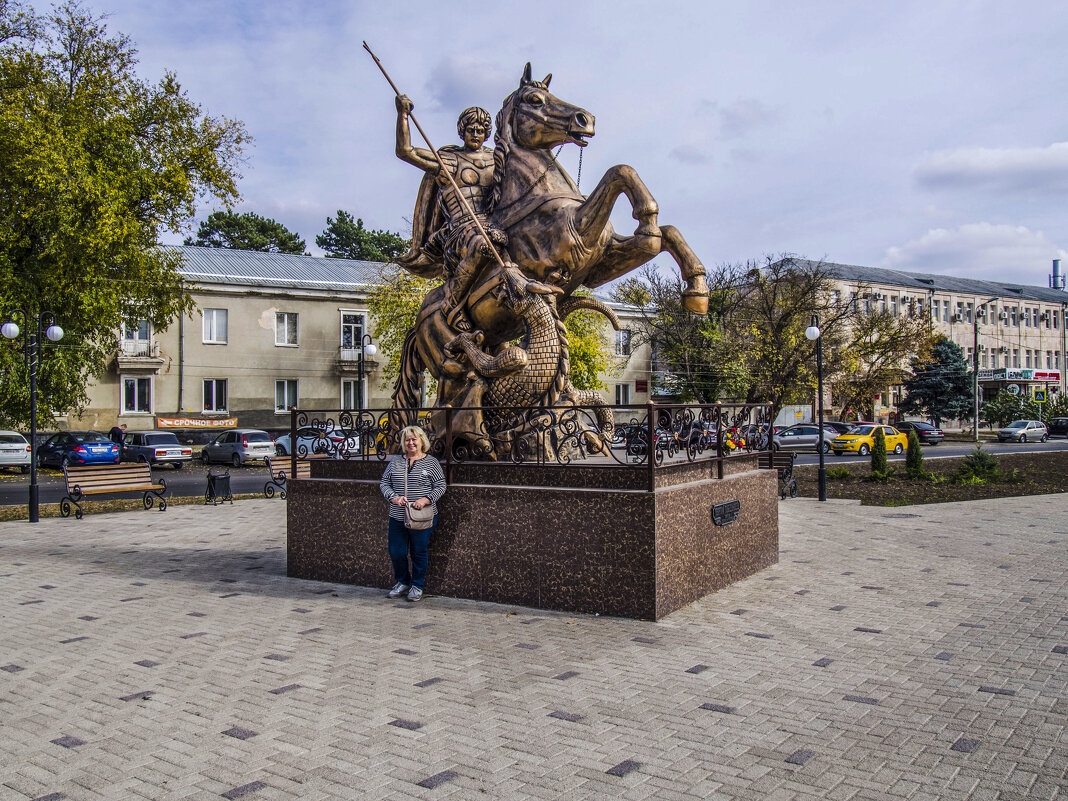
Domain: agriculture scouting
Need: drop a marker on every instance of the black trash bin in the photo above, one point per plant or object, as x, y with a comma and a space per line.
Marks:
218, 490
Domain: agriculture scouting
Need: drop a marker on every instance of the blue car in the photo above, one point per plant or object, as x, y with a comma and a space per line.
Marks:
76, 448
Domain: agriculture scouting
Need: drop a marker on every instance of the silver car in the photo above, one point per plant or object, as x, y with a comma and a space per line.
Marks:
238, 446
1024, 430
803, 438
14, 450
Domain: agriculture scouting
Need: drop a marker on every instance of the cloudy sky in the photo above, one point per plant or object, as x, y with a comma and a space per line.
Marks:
917, 135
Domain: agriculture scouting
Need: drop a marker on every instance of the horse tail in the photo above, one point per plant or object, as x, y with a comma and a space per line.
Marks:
574, 303
407, 391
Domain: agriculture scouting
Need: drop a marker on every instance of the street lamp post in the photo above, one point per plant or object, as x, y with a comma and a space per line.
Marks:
38, 325
813, 333
366, 348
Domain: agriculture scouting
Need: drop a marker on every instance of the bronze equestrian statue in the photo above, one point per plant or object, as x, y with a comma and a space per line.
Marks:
512, 274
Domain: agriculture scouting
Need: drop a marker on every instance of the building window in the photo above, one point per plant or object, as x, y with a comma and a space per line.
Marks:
285, 395
350, 394
351, 334
1049, 360
215, 394
285, 329
893, 305
623, 343
136, 395
993, 360
622, 394
1014, 313
971, 357
836, 297
1027, 357
215, 326
136, 339
1015, 357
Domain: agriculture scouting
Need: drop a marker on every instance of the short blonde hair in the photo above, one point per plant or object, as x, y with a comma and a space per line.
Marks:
420, 433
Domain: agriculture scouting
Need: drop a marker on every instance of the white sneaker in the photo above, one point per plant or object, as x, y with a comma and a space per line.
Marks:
415, 594
398, 590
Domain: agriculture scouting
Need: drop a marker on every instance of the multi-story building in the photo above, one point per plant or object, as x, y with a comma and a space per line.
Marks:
270, 331
1015, 334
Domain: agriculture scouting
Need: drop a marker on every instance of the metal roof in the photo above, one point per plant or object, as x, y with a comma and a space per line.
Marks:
255, 268
203, 265
927, 282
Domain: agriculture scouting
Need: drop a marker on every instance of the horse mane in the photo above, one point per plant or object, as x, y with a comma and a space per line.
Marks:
503, 139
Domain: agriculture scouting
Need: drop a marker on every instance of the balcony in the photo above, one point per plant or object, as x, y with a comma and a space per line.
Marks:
138, 355
348, 362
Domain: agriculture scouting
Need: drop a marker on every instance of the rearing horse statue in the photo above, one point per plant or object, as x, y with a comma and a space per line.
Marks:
557, 241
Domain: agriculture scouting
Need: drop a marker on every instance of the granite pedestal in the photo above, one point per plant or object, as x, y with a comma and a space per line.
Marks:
617, 541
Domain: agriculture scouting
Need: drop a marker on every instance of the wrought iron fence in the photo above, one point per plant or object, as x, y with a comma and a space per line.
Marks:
595, 436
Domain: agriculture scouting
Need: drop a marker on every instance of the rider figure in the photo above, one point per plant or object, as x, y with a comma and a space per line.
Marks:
457, 242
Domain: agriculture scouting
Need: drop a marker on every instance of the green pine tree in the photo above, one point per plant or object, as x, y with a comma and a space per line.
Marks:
878, 453
940, 388
914, 457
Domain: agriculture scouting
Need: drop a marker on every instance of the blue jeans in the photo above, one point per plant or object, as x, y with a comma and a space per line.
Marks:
404, 540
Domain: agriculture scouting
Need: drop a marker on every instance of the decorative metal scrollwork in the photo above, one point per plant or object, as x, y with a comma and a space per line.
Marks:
595, 435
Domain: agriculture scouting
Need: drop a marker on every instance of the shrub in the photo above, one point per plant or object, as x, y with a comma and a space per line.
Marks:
978, 464
878, 452
839, 473
914, 457
881, 475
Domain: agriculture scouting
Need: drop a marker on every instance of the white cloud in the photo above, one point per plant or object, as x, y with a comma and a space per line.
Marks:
1005, 168
690, 154
983, 250
741, 118
460, 81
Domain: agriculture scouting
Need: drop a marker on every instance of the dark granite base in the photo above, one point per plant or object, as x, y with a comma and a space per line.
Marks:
616, 551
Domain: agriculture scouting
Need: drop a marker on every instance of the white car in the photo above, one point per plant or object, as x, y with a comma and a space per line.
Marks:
14, 450
1024, 430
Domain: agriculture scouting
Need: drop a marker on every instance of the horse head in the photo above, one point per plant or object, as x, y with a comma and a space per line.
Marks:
536, 119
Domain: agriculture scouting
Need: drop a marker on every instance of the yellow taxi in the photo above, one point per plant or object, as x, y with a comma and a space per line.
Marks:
861, 439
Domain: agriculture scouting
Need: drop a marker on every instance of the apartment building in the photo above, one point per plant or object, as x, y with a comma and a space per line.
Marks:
1014, 333
270, 331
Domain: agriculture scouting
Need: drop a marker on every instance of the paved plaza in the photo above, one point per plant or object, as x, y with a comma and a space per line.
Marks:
912, 652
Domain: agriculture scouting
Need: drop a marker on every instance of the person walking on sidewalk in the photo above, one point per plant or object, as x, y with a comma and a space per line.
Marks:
425, 485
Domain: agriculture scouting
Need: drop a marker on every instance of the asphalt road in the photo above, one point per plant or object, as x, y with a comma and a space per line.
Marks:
189, 481
947, 448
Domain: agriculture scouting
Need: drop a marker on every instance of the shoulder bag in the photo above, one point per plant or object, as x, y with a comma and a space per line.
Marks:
418, 519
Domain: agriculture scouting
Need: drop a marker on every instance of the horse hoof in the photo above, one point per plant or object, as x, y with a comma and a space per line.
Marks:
695, 301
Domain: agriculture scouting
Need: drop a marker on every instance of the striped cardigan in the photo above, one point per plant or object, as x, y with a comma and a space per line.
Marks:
425, 480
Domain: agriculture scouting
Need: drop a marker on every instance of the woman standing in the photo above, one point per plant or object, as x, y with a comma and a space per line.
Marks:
426, 485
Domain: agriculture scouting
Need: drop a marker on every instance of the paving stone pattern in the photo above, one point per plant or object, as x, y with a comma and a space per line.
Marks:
290, 689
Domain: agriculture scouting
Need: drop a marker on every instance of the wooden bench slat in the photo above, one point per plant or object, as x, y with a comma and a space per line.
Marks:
86, 480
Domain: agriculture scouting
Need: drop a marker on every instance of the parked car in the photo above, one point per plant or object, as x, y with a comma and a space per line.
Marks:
155, 447
1024, 430
925, 432
804, 437
14, 451
861, 439
839, 426
77, 447
311, 441
238, 446
1057, 427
